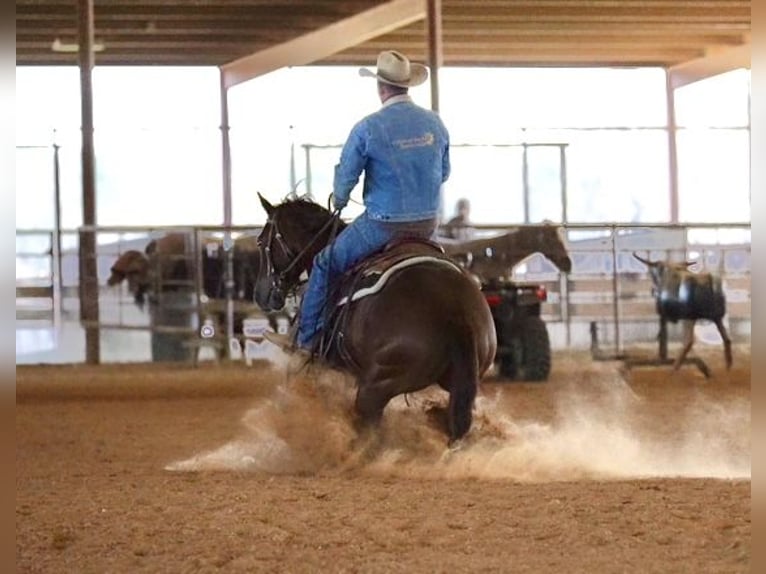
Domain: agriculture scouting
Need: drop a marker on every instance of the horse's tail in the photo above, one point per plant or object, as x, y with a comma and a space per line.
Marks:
462, 381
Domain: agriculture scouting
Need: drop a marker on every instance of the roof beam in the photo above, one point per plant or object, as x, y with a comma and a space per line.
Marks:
715, 62
245, 41
325, 41
529, 56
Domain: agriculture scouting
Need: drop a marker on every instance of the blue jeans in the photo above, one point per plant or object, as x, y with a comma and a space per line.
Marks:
361, 238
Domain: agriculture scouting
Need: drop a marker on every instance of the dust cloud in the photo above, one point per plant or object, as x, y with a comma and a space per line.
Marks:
306, 426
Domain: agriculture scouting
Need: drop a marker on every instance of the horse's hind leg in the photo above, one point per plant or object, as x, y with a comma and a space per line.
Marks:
372, 396
461, 411
461, 381
726, 342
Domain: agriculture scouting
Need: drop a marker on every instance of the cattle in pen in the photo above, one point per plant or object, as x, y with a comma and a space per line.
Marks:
169, 264
682, 295
166, 265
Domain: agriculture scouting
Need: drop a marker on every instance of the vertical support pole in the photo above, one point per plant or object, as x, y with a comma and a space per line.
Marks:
228, 244
615, 294
293, 176
58, 269
563, 179
564, 281
525, 179
672, 148
750, 136
434, 48
89, 310
198, 265
564, 307
307, 151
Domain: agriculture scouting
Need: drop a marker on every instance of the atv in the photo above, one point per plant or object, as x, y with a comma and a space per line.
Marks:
523, 346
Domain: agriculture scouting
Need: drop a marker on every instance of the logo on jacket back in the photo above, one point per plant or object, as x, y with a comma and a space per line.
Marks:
427, 139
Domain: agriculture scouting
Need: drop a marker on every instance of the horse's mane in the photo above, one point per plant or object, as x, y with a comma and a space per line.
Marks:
305, 207
312, 216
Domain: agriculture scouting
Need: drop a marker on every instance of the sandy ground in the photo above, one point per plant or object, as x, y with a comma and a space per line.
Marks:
143, 468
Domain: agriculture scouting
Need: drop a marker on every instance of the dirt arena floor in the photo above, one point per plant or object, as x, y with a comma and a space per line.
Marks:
145, 468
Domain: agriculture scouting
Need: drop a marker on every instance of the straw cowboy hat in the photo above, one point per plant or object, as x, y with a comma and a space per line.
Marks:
394, 68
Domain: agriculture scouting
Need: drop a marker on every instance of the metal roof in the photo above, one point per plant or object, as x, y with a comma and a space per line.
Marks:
474, 32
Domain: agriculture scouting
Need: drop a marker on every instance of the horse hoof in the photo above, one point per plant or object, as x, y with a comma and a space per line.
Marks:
367, 446
455, 445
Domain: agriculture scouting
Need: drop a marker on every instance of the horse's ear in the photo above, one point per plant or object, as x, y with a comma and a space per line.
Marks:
266, 205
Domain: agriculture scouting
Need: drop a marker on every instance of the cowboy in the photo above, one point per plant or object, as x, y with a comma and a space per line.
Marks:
403, 151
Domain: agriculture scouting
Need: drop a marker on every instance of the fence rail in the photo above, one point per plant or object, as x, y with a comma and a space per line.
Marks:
606, 285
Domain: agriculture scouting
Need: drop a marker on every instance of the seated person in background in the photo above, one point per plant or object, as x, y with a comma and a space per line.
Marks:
459, 227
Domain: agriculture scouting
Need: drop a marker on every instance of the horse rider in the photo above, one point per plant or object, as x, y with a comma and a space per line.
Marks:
403, 150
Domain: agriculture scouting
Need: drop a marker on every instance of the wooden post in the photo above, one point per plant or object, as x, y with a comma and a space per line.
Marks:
434, 48
58, 269
228, 243
89, 309
672, 148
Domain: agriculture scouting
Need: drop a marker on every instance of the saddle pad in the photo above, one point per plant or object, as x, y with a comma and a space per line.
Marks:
379, 280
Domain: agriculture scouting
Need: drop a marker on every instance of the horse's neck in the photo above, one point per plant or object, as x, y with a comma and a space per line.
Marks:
522, 243
313, 243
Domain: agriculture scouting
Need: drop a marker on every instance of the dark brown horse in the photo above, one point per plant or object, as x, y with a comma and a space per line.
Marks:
429, 324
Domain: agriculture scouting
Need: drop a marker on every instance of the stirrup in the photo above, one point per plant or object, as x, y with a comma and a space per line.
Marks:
286, 344
281, 340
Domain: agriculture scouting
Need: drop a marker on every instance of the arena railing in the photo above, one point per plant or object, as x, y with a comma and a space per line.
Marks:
606, 286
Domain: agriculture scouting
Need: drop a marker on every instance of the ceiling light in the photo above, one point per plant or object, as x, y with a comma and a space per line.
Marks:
72, 47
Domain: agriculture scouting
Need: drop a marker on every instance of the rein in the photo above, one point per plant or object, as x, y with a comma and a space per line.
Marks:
295, 259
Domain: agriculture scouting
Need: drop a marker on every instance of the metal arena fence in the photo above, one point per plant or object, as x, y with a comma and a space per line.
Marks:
607, 289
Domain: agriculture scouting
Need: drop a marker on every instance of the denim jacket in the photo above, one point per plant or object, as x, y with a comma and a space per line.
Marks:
403, 150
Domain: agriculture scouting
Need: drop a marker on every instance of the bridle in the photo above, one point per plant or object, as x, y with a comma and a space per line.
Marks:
281, 281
